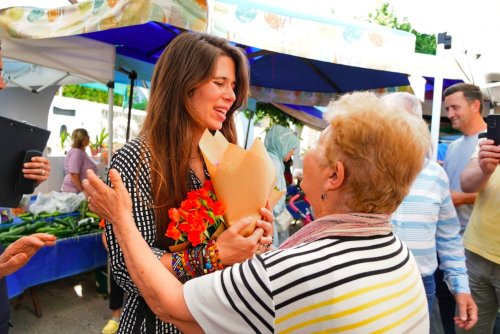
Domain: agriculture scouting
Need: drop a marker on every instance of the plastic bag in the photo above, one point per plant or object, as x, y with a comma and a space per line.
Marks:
54, 201
283, 221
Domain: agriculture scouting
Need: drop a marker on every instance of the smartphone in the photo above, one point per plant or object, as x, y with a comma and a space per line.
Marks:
493, 131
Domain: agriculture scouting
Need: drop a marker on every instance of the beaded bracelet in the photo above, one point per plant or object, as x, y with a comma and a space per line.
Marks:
178, 266
213, 261
197, 261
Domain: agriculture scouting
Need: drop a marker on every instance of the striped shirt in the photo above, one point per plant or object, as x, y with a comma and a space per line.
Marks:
76, 162
427, 222
347, 284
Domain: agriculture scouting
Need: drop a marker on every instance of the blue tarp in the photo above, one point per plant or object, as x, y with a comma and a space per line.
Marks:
145, 42
68, 257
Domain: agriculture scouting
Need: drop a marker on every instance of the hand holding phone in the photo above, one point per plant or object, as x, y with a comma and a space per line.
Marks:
493, 131
24, 185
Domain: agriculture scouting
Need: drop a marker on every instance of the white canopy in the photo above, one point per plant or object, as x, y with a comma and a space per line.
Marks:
57, 61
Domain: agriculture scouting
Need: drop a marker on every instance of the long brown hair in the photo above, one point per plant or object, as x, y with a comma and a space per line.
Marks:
188, 62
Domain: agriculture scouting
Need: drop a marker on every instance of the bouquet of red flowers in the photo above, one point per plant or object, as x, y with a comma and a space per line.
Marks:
198, 218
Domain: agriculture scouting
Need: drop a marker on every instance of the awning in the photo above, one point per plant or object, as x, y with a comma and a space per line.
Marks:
57, 61
310, 116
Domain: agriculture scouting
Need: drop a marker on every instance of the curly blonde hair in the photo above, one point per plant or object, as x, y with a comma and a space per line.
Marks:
382, 150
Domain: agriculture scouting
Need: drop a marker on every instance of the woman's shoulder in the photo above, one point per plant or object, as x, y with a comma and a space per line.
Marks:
132, 153
73, 152
135, 147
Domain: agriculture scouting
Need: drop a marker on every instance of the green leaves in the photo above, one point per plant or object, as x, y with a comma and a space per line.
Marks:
385, 16
99, 140
274, 114
90, 94
63, 138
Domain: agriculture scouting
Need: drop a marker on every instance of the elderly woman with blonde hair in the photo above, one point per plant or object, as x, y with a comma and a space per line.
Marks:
344, 272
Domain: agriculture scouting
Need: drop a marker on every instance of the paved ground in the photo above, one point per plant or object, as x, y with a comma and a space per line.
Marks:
64, 311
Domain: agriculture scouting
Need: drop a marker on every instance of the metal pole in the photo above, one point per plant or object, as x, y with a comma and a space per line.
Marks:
436, 106
132, 76
111, 102
252, 106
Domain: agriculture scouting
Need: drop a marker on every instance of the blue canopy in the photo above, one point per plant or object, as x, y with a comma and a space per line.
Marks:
145, 43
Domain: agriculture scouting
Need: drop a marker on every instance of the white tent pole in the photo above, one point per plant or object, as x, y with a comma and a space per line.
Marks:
19, 84
52, 83
436, 107
111, 90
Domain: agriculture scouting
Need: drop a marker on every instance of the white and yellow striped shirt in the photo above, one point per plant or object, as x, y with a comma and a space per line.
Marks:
347, 285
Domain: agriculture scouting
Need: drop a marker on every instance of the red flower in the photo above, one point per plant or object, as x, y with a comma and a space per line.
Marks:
174, 215
219, 209
208, 186
197, 218
173, 232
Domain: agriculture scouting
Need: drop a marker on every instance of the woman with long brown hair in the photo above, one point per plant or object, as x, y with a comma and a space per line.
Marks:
198, 83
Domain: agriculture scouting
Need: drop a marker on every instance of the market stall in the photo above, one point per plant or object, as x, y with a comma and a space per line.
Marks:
78, 248
68, 257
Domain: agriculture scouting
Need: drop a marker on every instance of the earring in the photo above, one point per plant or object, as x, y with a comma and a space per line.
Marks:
323, 196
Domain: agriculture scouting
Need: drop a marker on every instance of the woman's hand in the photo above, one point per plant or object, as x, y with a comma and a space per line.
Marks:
22, 250
113, 204
235, 248
266, 223
38, 169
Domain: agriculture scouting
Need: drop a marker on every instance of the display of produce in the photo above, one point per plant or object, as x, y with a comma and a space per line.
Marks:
60, 225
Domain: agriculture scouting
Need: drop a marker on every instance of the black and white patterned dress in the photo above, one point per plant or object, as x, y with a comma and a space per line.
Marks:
136, 175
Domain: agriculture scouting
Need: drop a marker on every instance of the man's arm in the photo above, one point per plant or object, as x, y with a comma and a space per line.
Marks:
459, 198
477, 173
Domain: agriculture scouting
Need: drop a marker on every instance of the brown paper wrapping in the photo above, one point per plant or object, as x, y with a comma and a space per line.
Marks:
243, 180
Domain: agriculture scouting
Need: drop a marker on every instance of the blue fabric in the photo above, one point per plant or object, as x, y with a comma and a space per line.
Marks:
274, 70
427, 222
442, 148
456, 159
278, 142
430, 290
68, 257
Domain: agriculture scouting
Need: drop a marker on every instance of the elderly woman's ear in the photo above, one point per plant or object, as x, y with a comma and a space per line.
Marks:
336, 176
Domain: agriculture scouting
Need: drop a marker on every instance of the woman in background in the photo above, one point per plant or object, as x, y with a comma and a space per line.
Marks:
77, 162
281, 144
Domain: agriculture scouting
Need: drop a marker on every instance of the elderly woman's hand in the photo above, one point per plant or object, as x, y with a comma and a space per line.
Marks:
113, 204
38, 169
